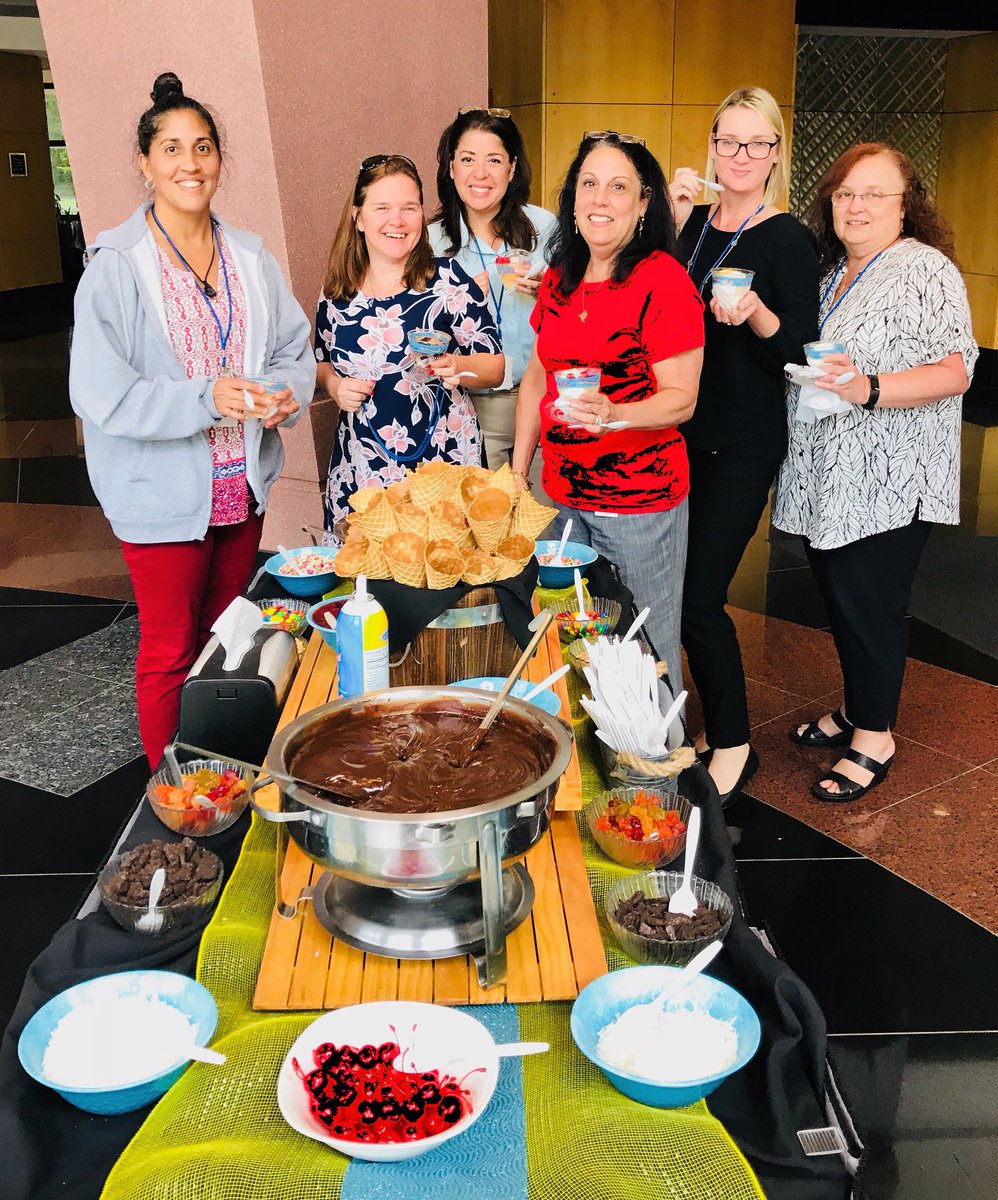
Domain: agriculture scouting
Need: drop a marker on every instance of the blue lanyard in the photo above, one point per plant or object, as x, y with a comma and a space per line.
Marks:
436, 412
834, 280
223, 338
496, 304
727, 249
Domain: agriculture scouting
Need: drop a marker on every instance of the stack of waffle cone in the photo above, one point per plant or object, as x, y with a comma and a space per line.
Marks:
397, 492
377, 520
349, 560
429, 483
444, 564
375, 564
489, 517
476, 479
360, 499
412, 519
404, 552
507, 568
517, 548
531, 518
447, 523
504, 481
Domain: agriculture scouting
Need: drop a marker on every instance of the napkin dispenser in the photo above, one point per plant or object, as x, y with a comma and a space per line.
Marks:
235, 712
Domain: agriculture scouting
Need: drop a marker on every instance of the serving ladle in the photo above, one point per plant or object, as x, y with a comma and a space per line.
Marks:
464, 753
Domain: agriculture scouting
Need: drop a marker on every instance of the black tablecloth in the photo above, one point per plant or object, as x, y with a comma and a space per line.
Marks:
52, 1150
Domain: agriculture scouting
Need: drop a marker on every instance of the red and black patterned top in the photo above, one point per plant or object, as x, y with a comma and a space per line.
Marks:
654, 314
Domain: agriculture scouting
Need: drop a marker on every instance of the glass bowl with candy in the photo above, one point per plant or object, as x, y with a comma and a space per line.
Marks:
212, 795
638, 827
284, 614
600, 619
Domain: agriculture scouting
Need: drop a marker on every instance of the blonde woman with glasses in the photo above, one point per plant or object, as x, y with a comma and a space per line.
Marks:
757, 269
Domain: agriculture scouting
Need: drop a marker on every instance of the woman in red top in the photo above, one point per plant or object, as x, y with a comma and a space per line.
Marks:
615, 298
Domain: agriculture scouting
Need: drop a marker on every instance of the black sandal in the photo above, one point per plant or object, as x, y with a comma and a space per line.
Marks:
816, 738
849, 789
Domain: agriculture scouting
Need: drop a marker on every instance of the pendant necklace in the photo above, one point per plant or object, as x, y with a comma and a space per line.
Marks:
583, 316
206, 287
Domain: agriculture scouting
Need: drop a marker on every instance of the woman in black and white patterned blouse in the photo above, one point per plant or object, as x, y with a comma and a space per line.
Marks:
863, 487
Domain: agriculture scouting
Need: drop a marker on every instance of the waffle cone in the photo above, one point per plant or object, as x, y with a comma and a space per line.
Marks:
429, 483
508, 568
362, 499
517, 548
412, 519
476, 479
488, 534
397, 492
378, 519
349, 561
413, 574
504, 481
443, 564
531, 518
480, 567
404, 548
375, 563
489, 506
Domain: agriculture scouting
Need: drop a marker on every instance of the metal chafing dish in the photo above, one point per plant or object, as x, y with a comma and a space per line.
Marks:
419, 885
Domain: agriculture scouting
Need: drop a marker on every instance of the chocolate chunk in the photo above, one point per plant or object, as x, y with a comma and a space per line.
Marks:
190, 870
649, 917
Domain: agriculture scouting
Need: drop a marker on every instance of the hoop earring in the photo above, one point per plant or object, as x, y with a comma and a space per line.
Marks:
149, 185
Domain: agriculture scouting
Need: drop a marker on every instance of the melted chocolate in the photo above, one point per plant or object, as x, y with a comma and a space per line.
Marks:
388, 758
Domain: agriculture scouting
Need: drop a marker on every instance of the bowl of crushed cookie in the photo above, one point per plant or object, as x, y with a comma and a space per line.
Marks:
637, 911
191, 882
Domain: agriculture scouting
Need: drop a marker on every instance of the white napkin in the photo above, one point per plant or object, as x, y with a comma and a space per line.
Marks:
814, 402
235, 628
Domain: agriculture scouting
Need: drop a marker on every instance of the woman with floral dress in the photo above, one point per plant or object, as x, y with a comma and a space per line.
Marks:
382, 283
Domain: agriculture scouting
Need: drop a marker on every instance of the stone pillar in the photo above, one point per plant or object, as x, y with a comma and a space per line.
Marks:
303, 92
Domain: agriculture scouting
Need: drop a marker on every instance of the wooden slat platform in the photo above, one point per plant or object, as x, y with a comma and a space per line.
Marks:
549, 958
304, 967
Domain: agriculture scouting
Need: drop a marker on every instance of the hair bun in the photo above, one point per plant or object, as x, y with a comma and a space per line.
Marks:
166, 85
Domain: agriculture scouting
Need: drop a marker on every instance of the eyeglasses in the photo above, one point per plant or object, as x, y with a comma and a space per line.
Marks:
602, 135
492, 112
726, 147
843, 196
375, 160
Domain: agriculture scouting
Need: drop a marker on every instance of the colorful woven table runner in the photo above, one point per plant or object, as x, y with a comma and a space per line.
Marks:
555, 1129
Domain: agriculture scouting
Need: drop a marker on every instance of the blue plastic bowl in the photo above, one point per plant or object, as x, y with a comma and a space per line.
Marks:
177, 990
305, 586
316, 618
607, 997
559, 577
547, 699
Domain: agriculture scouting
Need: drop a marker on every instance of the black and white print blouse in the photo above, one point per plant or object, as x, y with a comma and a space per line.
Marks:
865, 471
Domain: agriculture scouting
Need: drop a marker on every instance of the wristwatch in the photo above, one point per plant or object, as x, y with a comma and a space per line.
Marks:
874, 392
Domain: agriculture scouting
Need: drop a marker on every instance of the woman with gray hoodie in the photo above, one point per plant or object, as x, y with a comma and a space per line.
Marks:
175, 314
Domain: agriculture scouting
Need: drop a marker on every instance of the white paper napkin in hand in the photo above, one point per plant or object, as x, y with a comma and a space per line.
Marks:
813, 403
235, 628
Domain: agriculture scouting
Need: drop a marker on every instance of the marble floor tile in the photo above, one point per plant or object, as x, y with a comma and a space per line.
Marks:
56, 547
784, 655
945, 839
108, 654
37, 690
40, 439
27, 631
72, 748
61, 480
760, 832
949, 712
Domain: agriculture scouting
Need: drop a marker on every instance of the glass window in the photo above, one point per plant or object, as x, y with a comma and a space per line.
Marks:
62, 175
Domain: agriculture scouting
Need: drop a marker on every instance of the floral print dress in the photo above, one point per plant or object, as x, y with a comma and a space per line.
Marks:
404, 422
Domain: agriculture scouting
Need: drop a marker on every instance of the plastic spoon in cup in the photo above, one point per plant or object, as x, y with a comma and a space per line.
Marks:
151, 921
581, 614
684, 899
552, 678
205, 1055
560, 556
331, 622
714, 187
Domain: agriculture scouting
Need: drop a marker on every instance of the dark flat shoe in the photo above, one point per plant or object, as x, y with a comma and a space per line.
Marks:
750, 768
849, 789
706, 755
816, 738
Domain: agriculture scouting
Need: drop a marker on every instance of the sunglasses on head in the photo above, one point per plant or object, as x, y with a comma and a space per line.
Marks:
492, 112
603, 135
375, 160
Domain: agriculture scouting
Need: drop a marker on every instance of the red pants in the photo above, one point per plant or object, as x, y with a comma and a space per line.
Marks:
181, 588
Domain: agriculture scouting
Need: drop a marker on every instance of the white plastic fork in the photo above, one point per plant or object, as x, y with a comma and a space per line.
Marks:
684, 900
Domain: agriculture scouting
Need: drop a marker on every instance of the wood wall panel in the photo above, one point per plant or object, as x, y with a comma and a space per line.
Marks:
529, 120
971, 77
970, 151
600, 53
566, 123
982, 290
721, 46
516, 52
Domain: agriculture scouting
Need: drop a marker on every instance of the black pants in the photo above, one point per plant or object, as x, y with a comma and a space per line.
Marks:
728, 492
866, 587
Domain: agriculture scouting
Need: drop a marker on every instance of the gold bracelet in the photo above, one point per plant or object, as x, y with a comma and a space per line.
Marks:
522, 479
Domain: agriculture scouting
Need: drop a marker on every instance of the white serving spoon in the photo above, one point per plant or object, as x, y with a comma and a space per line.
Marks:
503, 1050
684, 899
544, 683
151, 921
560, 556
205, 1055
289, 558
331, 622
633, 1022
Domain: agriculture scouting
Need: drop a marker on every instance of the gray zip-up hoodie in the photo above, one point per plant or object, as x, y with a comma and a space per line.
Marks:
143, 420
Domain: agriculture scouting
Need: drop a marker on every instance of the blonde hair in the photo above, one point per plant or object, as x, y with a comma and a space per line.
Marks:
762, 102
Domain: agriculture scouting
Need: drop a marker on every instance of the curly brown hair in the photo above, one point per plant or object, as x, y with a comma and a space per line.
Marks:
921, 220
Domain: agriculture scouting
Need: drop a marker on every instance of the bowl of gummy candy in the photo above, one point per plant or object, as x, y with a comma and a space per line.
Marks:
211, 796
388, 1080
308, 574
638, 827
